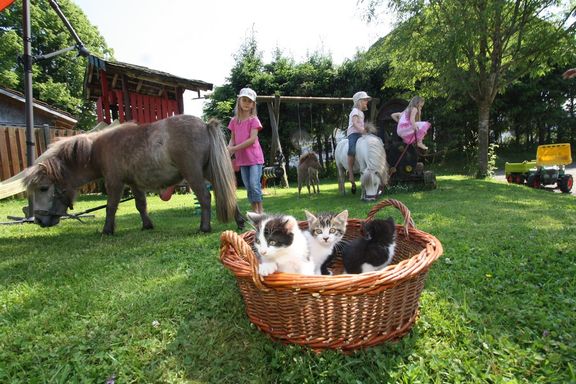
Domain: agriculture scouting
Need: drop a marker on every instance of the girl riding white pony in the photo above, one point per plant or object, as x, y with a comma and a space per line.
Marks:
370, 162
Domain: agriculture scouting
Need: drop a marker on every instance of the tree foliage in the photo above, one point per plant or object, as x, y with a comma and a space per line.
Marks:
475, 49
532, 101
315, 76
57, 80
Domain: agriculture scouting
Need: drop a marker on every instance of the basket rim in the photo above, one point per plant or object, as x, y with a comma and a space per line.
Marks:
234, 245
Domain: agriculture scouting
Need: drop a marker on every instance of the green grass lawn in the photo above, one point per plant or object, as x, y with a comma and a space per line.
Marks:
158, 307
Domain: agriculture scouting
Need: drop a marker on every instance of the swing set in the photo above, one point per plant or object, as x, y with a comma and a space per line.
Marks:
273, 105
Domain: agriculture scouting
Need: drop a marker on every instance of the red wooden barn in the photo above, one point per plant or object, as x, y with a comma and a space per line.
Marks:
131, 92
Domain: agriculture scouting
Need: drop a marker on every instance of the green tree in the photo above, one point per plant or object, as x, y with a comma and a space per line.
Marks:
534, 110
475, 48
58, 80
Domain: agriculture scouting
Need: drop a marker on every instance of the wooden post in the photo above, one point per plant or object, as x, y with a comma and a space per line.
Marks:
274, 112
373, 109
105, 96
180, 100
127, 106
46, 134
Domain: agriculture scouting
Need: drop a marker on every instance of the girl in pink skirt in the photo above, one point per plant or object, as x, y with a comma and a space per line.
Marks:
410, 129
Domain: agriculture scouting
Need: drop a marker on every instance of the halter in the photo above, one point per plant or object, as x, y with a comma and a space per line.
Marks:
58, 195
366, 197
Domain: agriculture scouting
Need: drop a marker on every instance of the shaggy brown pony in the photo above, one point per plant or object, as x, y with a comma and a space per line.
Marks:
145, 157
308, 167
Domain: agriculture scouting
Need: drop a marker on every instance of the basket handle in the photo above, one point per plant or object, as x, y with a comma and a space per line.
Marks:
232, 239
408, 222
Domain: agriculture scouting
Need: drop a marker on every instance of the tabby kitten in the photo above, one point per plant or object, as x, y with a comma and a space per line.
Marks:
324, 231
280, 244
372, 252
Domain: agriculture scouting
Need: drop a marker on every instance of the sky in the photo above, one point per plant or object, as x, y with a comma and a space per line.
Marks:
198, 39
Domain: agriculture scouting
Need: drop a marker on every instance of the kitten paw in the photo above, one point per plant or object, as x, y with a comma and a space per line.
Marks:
266, 269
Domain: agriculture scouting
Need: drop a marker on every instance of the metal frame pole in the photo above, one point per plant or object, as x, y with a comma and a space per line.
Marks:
27, 63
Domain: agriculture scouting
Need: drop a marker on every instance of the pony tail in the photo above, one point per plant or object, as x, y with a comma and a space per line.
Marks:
221, 173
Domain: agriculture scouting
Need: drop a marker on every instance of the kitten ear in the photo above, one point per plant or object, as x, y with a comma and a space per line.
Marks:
290, 224
343, 216
368, 230
309, 216
254, 217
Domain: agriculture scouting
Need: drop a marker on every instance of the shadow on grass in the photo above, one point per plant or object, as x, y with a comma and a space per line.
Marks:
157, 306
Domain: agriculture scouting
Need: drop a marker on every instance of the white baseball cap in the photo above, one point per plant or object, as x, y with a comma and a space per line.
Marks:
359, 96
247, 92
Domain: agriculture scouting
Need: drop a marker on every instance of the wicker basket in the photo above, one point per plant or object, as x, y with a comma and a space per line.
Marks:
341, 311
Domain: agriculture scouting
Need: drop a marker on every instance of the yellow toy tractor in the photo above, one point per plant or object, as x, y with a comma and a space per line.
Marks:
547, 169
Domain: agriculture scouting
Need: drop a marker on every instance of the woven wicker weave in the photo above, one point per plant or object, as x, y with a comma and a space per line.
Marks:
341, 311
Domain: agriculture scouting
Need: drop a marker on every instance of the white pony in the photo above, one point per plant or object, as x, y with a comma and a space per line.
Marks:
370, 162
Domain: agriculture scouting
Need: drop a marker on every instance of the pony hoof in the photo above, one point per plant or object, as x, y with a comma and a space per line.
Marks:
353, 188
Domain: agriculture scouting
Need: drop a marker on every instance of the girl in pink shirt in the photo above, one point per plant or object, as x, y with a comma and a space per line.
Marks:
244, 145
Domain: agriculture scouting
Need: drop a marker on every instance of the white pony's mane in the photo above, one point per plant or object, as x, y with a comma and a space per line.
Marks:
376, 158
339, 134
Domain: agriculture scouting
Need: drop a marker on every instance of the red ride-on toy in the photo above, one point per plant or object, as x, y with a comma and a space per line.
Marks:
547, 169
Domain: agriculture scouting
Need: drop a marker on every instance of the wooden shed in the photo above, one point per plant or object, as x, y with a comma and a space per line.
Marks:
12, 114
131, 92
49, 123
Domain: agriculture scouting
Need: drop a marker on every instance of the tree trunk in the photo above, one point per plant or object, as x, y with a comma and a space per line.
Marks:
319, 145
572, 129
483, 137
541, 133
517, 133
274, 113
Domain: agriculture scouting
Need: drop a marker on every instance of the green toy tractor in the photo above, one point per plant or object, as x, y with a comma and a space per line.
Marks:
547, 169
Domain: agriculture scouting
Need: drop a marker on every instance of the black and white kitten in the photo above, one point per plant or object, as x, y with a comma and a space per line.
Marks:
325, 230
280, 244
372, 252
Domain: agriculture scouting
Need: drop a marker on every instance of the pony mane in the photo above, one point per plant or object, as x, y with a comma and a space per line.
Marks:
60, 155
310, 159
376, 158
339, 134
370, 128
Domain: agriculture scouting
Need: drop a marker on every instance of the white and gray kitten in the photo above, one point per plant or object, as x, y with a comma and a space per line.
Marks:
280, 244
325, 230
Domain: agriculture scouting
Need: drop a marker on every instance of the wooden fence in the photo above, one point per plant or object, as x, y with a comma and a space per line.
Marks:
13, 147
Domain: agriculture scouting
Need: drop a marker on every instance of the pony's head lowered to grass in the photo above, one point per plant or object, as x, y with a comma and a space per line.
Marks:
50, 181
147, 157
